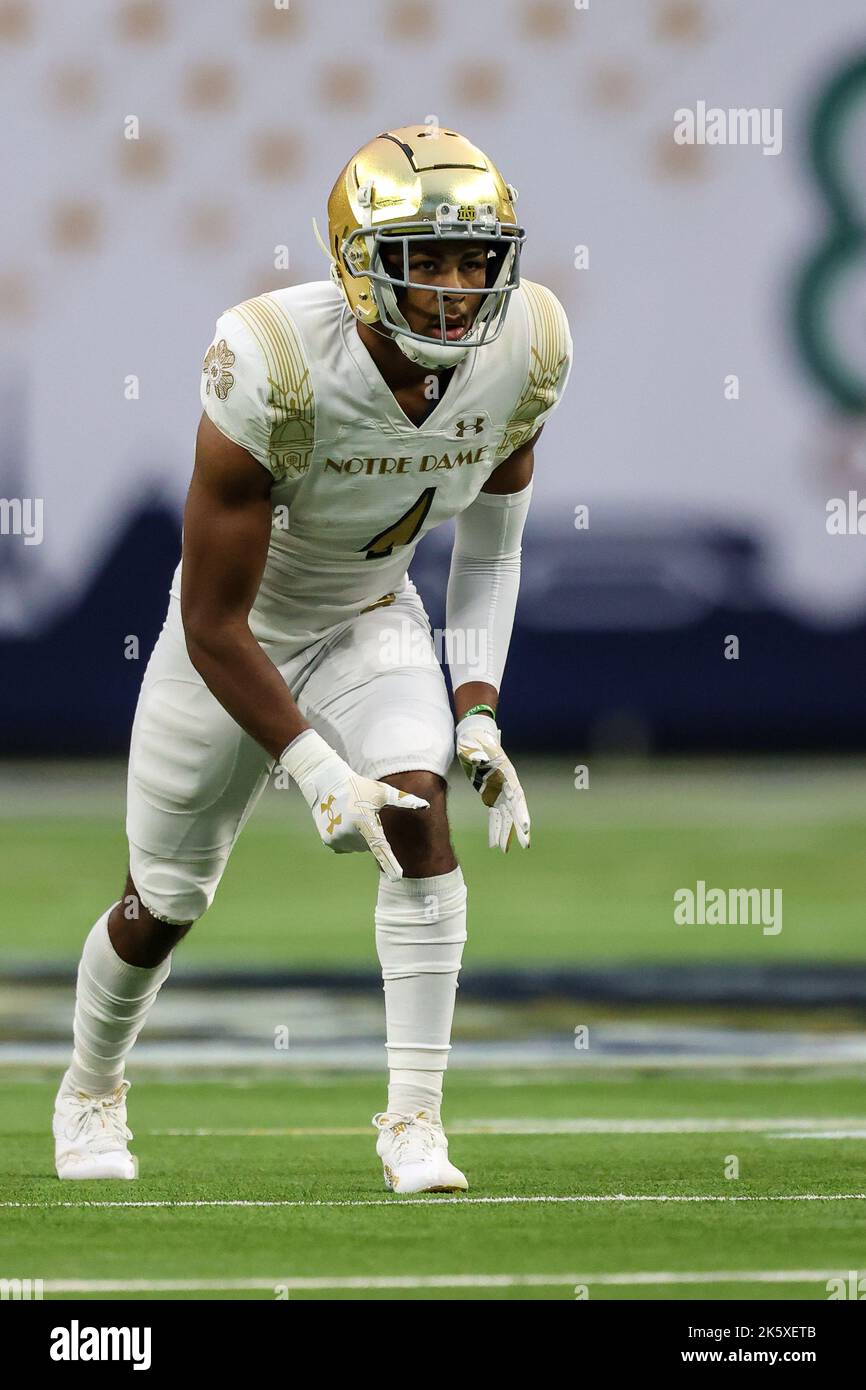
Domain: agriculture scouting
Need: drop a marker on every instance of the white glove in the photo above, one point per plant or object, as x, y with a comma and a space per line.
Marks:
492, 774
344, 804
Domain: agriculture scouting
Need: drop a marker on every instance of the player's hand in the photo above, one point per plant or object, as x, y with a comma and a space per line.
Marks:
492, 774
344, 804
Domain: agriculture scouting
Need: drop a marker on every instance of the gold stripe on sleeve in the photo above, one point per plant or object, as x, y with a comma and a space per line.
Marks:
548, 354
290, 393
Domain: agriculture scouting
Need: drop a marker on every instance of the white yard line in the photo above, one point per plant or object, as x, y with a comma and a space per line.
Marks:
823, 1134
322, 1131
793, 1127
440, 1201
442, 1281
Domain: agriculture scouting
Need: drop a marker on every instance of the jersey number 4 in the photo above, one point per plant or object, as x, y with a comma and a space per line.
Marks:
401, 531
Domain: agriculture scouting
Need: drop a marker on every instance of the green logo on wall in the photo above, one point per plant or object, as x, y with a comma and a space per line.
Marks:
831, 294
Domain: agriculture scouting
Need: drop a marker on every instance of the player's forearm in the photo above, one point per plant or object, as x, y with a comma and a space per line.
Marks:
472, 693
247, 684
483, 585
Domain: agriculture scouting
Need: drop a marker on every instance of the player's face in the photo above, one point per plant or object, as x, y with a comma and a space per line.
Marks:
451, 268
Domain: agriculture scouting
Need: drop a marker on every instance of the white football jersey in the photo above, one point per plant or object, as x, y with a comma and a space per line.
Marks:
356, 483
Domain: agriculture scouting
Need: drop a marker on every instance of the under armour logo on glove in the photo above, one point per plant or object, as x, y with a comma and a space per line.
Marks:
348, 803
332, 818
493, 776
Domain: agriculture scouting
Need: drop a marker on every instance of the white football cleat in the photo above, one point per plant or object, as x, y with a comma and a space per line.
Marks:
91, 1134
414, 1154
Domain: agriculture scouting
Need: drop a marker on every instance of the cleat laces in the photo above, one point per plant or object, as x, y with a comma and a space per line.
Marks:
99, 1122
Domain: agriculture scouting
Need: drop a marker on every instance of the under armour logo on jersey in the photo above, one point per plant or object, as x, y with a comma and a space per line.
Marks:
476, 426
327, 807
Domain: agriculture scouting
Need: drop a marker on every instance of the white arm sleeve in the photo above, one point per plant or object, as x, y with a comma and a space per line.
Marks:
483, 585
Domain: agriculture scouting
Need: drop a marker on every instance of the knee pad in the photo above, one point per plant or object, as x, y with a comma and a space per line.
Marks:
174, 891
396, 740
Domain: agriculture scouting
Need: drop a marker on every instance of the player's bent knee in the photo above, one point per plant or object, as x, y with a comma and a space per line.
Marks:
175, 893
420, 783
420, 839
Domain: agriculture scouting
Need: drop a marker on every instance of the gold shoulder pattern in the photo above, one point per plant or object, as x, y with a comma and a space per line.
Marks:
290, 393
548, 354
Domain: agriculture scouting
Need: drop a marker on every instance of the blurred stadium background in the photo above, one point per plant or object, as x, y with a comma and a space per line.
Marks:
707, 509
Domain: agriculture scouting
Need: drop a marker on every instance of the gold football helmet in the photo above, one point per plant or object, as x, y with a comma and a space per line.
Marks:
413, 184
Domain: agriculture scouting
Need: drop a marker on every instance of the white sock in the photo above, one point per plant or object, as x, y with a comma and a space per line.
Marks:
112, 1001
410, 1091
420, 931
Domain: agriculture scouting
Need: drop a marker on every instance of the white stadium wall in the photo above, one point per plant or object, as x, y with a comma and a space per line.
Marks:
117, 255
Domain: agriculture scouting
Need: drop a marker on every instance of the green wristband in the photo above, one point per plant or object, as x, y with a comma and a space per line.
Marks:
481, 709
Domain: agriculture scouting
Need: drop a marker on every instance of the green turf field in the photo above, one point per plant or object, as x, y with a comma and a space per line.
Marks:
559, 1162
596, 884
326, 1228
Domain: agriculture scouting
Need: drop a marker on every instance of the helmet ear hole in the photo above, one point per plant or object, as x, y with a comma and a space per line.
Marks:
392, 263
494, 265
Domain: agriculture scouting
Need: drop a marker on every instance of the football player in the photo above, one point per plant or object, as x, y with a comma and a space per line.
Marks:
343, 420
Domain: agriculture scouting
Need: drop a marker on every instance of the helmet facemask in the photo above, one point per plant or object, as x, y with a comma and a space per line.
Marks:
362, 253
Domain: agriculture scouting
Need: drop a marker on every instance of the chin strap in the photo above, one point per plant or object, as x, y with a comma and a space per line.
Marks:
431, 354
